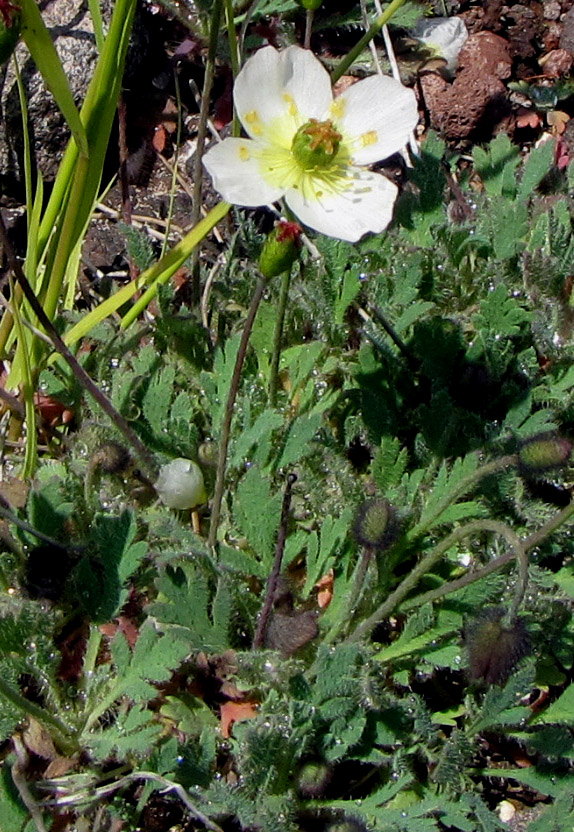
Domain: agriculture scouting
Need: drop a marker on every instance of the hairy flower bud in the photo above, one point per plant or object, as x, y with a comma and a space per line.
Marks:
111, 458
495, 649
347, 824
543, 452
375, 524
314, 778
180, 484
280, 249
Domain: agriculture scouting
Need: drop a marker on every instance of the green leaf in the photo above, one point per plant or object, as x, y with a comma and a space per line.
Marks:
259, 526
537, 165
157, 399
112, 559
187, 606
496, 166
43, 52
561, 710
299, 440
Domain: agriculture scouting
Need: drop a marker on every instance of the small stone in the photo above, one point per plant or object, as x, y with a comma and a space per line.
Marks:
567, 36
556, 63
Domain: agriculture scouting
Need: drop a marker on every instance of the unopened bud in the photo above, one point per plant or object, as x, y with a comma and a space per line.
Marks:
180, 484
542, 453
310, 5
111, 458
347, 825
495, 649
280, 249
313, 779
376, 524
10, 25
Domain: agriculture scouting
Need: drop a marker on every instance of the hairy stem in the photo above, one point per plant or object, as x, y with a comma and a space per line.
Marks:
424, 566
278, 336
259, 638
226, 426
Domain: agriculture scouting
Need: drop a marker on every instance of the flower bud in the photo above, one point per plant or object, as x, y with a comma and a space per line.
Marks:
10, 25
111, 458
313, 779
310, 5
280, 249
543, 452
347, 824
180, 484
375, 524
495, 649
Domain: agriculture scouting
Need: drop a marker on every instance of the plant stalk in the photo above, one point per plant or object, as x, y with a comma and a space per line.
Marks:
226, 426
278, 337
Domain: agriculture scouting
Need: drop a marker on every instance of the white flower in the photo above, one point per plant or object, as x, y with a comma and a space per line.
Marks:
180, 484
312, 149
445, 36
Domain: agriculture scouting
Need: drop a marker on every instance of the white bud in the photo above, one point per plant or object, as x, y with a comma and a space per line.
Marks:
180, 484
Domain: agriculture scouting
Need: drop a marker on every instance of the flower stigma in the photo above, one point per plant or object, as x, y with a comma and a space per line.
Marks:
316, 145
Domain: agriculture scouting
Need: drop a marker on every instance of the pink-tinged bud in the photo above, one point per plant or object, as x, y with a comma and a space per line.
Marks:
543, 452
494, 649
280, 249
10, 25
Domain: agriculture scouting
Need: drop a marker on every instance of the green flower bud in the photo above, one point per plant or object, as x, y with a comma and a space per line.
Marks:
310, 5
10, 25
543, 452
316, 144
180, 484
376, 524
280, 249
313, 779
347, 825
494, 649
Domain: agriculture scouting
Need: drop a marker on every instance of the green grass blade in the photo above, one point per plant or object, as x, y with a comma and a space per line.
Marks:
157, 274
42, 49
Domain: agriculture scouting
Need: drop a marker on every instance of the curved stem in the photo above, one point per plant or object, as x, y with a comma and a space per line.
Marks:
425, 565
495, 467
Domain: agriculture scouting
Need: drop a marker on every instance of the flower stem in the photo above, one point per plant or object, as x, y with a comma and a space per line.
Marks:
278, 336
259, 638
373, 30
308, 28
425, 565
226, 426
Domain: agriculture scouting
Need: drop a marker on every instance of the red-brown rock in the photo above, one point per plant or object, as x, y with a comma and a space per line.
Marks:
556, 63
485, 54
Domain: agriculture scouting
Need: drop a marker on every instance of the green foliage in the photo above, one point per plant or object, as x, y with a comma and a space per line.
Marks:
184, 607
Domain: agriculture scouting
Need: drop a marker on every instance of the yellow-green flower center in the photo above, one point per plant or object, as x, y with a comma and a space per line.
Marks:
315, 145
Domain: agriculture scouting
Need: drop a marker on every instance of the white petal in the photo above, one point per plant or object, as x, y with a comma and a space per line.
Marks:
365, 206
236, 174
376, 116
444, 35
276, 92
